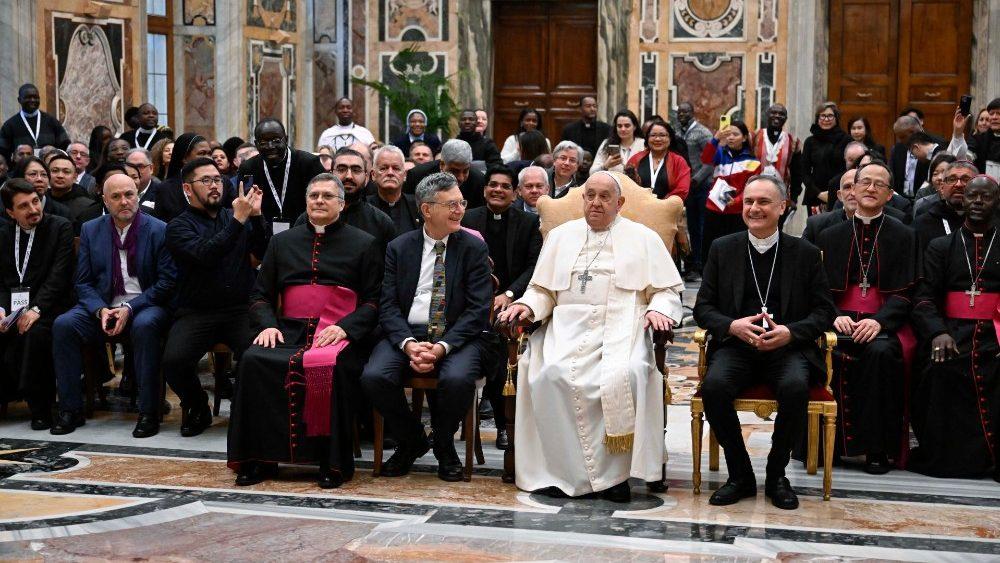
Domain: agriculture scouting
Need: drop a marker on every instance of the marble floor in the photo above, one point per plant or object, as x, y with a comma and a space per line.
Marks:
98, 494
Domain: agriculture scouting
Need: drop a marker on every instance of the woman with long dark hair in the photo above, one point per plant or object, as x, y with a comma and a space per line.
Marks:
660, 167
861, 131
731, 153
529, 120
624, 140
823, 153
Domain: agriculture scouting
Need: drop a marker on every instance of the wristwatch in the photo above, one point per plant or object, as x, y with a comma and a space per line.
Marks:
509, 294
36, 310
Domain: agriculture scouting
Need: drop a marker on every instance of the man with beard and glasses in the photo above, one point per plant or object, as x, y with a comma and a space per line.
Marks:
946, 215
36, 269
147, 133
31, 126
124, 282
211, 246
281, 172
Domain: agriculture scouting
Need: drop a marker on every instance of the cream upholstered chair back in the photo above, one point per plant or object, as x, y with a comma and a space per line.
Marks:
662, 215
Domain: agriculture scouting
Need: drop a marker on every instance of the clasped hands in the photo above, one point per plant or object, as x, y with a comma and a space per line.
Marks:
117, 318
423, 355
755, 335
862, 331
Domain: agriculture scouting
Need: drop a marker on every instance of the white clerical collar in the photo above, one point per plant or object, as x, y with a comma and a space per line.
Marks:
146, 131
866, 220
762, 245
30, 115
320, 229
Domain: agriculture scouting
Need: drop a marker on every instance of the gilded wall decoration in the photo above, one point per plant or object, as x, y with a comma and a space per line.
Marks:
712, 82
199, 12
272, 14
413, 20
708, 20
199, 85
88, 58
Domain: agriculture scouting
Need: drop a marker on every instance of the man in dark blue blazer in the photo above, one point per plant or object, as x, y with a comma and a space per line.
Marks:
436, 298
124, 280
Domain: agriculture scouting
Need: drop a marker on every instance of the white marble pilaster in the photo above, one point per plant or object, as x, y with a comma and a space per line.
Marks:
613, 36
17, 53
808, 62
475, 53
231, 81
985, 80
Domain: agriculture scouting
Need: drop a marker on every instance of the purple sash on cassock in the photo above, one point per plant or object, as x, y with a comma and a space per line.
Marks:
330, 304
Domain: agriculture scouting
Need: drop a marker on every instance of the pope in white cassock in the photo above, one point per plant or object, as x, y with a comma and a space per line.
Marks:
589, 397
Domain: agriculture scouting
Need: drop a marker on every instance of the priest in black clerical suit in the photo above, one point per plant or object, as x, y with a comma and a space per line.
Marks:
148, 134
455, 159
388, 175
750, 279
42, 246
31, 126
956, 399
284, 198
317, 291
946, 215
403, 212
872, 264
514, 242
843, 210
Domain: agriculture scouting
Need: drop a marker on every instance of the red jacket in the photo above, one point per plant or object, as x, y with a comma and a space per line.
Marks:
677, 180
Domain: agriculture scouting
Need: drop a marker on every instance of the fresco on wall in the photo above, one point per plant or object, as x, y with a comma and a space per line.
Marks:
88, 74
199, 12
199, 87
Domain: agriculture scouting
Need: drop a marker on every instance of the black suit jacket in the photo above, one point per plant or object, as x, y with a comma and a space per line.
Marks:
50, 267
524, 242
897, 163
807, 307
411, 212
305, 166
472, 187
468, 287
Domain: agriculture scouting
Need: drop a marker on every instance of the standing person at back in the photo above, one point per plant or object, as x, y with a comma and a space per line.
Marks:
822, 153
731, 155
588, 132
623, 141
696, 136
779, 153
31, 126
345, 132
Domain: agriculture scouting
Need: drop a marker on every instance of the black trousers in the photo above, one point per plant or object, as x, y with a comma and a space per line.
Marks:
194, 333
26, 364
457, 373
733, 368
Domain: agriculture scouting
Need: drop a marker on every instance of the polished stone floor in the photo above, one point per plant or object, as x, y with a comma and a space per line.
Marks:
100, 494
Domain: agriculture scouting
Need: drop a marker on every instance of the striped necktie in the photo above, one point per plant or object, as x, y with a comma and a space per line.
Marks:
435, 328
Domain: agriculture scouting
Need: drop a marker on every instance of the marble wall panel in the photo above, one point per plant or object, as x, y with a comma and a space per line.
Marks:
358, 58
326, 86
649, 65
767, 20
199, 12
87, 57
712, 82
708, 20
413, 20
199, 85
765, 85
649, 21
272, 14
325, 19
475, 53
613, 39
272, 83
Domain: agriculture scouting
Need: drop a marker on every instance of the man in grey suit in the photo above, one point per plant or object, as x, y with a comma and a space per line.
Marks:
696, 136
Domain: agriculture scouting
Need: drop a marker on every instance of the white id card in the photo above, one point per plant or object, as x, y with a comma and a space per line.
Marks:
19, 297
279, 227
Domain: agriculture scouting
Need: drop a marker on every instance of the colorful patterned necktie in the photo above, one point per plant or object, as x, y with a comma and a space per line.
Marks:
435, 328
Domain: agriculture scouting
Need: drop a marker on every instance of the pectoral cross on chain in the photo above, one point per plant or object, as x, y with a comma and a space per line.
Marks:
584, 278
972, 292
864, 285
763, 321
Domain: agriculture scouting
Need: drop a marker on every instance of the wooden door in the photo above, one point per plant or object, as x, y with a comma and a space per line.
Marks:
886, 55
545, 57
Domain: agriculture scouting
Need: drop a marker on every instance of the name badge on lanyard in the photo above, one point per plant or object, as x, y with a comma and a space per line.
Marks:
279, 199
19, 296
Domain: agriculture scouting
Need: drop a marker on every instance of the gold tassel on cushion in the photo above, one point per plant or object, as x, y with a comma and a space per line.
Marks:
619, 444
508, 388
668, 395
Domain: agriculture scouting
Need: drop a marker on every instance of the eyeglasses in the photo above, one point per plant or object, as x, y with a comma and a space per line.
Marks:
344, 169
324, 196
564, 158
269, 143
209, 180
868, 182
36, 174
452, 205
827, 116
658, 136
956, 179
504, 185
79, 153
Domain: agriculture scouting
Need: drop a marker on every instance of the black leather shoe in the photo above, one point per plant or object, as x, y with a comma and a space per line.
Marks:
329, 479
657, 486
147, 426
451, 471
735, 490
225, 389
253, 472
619, 493
41, 423
877, 464
502, 441
66, 422
402, 460
781, 493
195, 420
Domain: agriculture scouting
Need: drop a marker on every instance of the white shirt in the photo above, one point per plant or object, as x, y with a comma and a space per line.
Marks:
420, 311
911, 173
762, 245
132, 287
340, 136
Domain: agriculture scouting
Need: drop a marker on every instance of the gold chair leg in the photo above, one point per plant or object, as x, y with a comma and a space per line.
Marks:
696, 428
812, 447
713, 451
830, 422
